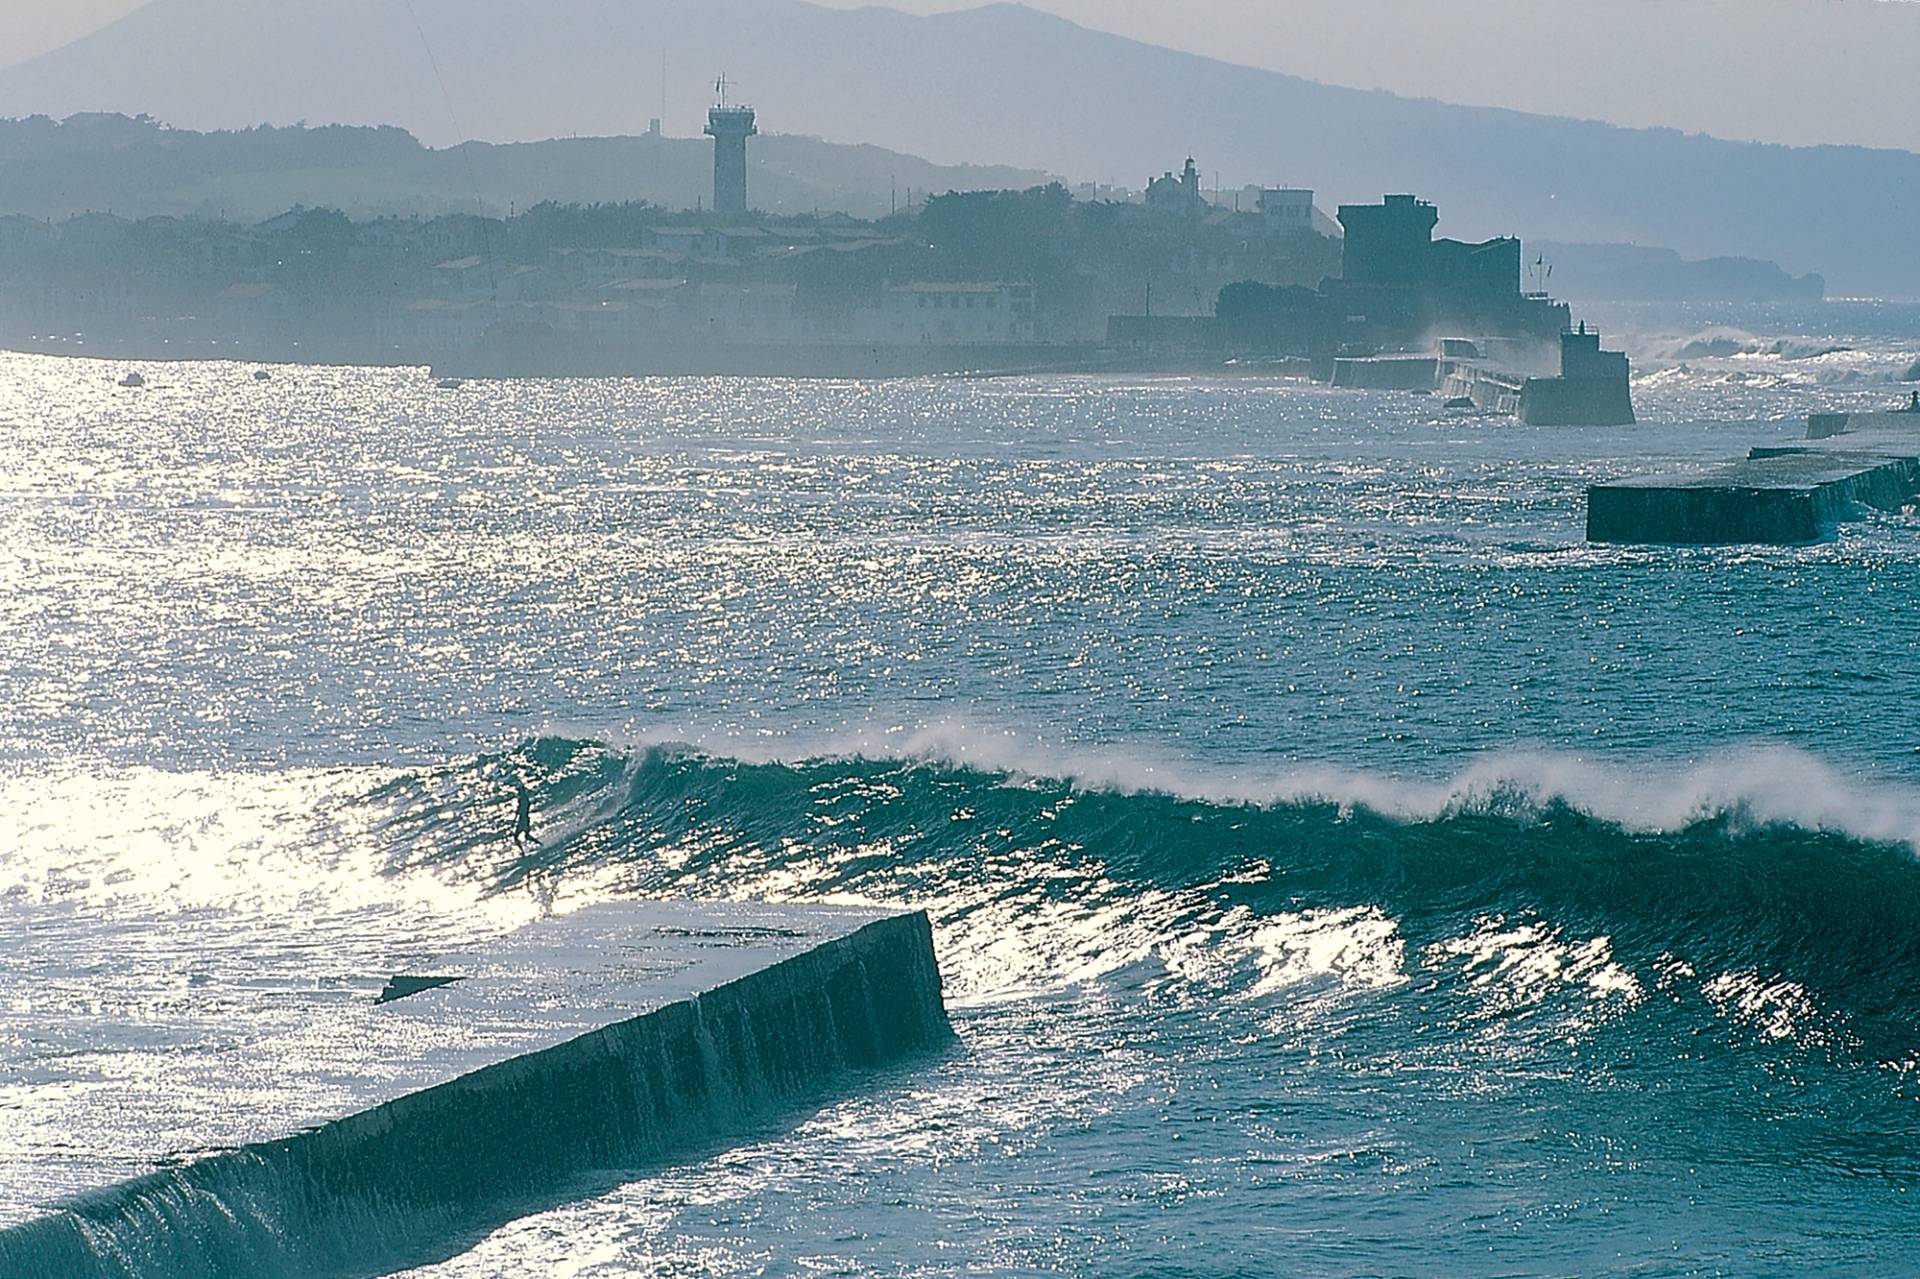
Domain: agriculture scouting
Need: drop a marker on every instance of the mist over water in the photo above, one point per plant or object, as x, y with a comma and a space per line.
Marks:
1337, 865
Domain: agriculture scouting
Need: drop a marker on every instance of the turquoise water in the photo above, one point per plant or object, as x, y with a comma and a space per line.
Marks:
1339, 868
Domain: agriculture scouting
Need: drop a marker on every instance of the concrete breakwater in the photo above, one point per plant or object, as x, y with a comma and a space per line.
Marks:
1781, 494
1593, 389
1825, 426
1386, 372
1489, 387
1777, 496
610, 1040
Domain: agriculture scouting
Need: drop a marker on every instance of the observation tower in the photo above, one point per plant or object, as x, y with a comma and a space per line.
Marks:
729, 127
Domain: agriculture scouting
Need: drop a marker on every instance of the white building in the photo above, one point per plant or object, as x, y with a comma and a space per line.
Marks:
1289, 209
946, 314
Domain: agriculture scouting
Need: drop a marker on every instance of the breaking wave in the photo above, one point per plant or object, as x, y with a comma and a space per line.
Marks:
1727, 355
1725, 345
1090, 861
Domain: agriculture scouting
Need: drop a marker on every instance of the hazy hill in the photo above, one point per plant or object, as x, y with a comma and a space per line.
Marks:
137, 168
1000, 84
1801, 72
1590, 272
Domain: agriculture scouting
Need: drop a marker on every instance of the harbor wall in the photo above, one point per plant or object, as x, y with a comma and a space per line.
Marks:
1825, 426
549, 355
411, 1181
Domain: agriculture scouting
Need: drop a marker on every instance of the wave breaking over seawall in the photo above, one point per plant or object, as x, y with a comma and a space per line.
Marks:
414, 1179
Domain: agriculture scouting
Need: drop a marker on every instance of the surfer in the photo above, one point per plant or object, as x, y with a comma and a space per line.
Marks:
523, 816
539, 879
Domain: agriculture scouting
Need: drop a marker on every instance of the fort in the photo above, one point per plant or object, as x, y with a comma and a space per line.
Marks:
1372, 327
1397, 288
1398, 284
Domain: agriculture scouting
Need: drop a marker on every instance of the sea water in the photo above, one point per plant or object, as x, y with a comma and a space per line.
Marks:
1338, 867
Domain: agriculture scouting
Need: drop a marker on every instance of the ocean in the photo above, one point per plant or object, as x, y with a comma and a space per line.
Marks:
1337, 866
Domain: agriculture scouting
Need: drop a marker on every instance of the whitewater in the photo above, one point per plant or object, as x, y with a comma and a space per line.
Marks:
1337, 867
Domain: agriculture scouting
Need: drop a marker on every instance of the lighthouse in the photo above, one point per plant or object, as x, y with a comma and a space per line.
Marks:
729, 127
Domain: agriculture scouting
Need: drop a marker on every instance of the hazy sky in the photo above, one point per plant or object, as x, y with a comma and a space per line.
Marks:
29, 27
1756, 69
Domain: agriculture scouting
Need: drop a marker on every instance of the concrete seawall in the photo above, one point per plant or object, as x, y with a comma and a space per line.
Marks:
690, 1026
1826, 426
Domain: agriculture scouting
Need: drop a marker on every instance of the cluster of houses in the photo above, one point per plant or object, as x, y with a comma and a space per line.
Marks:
311, 279
719, 283
671, 311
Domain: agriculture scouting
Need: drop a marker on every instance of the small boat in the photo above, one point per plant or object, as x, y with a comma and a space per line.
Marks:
449, 384
133, 381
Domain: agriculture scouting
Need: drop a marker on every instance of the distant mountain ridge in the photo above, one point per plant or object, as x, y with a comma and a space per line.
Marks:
1796, 72
1000, 84
138, 168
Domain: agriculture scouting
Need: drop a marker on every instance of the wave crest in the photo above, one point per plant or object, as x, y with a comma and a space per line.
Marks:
1750, 787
